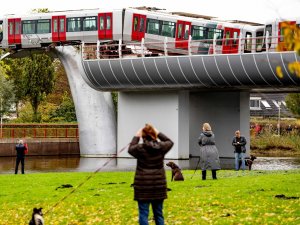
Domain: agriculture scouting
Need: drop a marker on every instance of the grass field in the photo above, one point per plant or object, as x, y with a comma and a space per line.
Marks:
237, 197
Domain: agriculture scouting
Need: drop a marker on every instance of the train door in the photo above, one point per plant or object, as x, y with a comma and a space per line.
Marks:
231, 40
59, 28
138, 27
281, 28
14, 31
183, 30
105, 26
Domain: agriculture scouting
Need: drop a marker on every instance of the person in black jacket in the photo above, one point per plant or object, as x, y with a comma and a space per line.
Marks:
150, 184
20, 148
239, 142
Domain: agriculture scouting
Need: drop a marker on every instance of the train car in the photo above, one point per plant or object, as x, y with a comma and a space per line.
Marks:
184, 33
42, 29
156, 27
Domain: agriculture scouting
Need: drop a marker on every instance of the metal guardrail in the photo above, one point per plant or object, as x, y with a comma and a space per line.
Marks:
31, 132
106, 50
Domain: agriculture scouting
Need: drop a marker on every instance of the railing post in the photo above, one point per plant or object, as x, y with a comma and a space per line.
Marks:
120, 48
82, 50
66, 132
142, 47
166, 46
267, 41
189, 45
240, 43
98, 50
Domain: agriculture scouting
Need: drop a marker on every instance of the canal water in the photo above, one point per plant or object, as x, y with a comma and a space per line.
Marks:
43, 164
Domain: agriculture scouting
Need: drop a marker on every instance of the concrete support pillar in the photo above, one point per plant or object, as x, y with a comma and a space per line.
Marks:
180, 116
94, 109
167, 111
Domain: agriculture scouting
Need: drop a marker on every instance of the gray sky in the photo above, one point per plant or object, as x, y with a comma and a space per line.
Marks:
248, 10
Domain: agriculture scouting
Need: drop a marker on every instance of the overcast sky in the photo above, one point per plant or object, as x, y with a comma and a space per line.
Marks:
248, 10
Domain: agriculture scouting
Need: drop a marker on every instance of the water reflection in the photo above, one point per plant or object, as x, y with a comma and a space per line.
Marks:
42, 164
276, 163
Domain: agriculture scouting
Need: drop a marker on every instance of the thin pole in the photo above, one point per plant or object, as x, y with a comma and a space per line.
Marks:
196, 168
279, 103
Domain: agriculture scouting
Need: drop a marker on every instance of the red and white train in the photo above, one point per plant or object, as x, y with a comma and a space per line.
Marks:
133, 25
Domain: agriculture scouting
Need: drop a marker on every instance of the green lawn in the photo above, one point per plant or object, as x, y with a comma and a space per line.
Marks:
107, 198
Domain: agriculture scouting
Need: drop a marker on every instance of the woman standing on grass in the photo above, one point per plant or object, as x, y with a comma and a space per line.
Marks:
209, 155
150, 185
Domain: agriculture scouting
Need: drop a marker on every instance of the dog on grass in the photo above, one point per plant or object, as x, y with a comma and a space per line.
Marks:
176, 172
37, 217
248, 162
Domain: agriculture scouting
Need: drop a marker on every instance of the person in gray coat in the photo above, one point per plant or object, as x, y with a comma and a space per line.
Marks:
209, 155
150, 184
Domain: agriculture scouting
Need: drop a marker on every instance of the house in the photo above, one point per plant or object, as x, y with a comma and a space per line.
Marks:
268, 105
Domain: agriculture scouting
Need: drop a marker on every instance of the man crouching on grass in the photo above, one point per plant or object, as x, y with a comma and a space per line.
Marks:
150, 184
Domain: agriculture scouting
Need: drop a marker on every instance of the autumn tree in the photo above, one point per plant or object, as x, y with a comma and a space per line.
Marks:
6, 94
14, 71
291, 37
293, 103
38, 75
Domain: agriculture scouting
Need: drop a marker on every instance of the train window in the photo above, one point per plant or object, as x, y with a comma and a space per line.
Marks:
227, 37
199, 32
186, 31
17, 27
108, 23
135, 23
74, 24
55, 25
219, 36
90, 23
259, 41
102, 23
28, 26
168, 29
62, 25
43, 26
235, 38
179, 35
248, 42
153, 26
142, 24
11, 28
269, 29
210, 33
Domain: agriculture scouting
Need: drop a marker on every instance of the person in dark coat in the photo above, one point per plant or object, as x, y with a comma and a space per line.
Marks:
150, 184
20, 148
209, 155
239, 142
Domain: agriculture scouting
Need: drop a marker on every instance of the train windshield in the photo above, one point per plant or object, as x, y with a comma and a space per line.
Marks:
1, 30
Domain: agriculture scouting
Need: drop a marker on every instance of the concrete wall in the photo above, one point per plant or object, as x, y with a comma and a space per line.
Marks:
43, 147
161, 109
226, 112
180, 116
